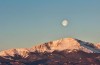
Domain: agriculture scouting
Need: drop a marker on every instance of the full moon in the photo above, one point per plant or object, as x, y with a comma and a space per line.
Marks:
64, 22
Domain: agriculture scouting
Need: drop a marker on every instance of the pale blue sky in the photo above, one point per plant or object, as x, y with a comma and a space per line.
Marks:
24, 23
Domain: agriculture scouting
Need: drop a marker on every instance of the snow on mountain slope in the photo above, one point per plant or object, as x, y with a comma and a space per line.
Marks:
97, 45
62, 44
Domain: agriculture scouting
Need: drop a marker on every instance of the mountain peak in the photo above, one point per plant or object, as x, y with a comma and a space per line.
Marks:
59, 45
64, 43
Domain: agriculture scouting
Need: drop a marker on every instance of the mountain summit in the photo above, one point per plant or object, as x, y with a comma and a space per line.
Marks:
62, 44
67, 43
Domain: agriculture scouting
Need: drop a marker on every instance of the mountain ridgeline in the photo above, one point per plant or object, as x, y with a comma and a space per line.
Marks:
66, 51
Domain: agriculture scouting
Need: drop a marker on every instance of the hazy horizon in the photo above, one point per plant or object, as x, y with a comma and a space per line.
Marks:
25, 23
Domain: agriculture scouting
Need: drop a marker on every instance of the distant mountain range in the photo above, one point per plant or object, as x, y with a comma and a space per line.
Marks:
66, 51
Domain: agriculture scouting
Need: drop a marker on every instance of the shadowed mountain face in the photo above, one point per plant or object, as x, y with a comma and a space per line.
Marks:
67, 51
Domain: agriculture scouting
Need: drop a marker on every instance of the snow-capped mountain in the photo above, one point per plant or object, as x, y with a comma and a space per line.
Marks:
66, 51
59, 45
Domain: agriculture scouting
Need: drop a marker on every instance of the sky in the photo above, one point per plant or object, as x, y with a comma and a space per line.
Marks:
25, 23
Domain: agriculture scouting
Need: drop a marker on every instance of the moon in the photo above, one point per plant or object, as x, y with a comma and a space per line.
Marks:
65, 22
